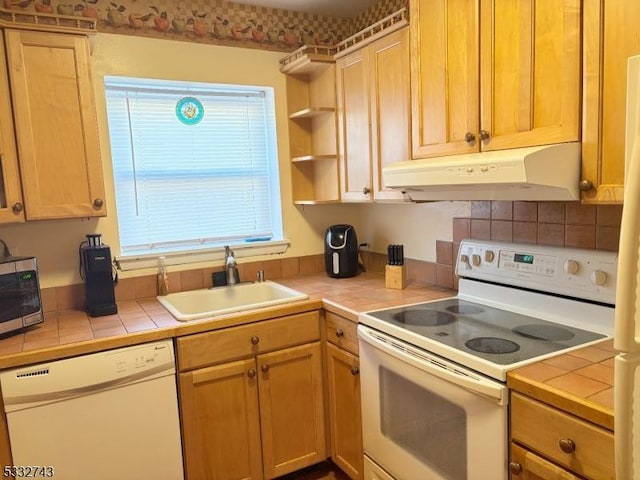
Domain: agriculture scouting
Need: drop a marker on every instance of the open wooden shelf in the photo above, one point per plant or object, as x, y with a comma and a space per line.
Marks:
312, 112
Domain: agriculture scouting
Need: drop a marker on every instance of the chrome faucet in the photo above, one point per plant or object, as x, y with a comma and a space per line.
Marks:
231, 267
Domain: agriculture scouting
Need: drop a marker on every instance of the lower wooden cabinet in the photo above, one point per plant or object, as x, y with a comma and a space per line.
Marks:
344, 411
257, 417
565, 446
343, 379
291, 409
221, 423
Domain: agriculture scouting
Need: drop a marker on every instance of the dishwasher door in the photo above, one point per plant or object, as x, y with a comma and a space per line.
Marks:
102, 416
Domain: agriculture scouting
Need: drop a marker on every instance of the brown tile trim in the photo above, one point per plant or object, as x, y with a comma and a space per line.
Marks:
444, 252
501, 210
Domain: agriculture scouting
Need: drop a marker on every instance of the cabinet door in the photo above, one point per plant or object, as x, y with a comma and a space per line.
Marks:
291, 409
444, 76
610, 37
344, 411
220, 422
11, 205
354, 130
390, 107
57, 133
526, 465
530, 67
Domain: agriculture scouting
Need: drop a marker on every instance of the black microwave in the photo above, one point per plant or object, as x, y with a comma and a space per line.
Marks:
20, 302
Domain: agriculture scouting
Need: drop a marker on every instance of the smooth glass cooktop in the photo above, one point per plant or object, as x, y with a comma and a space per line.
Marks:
496, 335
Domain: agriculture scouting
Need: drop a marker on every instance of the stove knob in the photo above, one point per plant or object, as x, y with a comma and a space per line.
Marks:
571, 267
489, 256
598, 277
475, 260
465, 259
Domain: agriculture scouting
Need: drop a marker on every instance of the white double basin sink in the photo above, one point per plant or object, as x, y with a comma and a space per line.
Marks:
204, 303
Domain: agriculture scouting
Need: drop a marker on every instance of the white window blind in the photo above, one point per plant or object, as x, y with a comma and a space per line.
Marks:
192, 179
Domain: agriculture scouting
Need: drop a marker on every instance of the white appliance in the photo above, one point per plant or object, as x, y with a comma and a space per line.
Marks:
513, 174
434, 397
627, 318
102, 416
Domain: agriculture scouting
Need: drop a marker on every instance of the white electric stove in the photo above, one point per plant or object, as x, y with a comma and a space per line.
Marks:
433, 374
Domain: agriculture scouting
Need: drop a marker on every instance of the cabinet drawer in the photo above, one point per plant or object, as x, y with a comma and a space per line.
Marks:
542, 428
527, 465
208, 348
342, 332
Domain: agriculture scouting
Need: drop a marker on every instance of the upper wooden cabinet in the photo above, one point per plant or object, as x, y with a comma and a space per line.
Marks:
55, 124
373, 99
610, 37
494, 74
11, 204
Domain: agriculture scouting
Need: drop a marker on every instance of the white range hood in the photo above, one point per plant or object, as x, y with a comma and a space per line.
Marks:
548, 172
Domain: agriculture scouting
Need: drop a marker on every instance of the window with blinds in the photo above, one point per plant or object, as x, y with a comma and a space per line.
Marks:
195, 165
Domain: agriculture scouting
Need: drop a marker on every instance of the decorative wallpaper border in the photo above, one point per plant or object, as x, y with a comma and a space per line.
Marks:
215, 22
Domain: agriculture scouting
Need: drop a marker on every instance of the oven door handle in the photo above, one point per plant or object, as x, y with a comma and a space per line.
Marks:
435, 366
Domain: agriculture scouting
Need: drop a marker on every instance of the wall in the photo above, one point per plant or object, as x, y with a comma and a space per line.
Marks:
55, 243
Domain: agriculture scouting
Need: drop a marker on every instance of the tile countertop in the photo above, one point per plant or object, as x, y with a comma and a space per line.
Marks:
71, 332
579, 382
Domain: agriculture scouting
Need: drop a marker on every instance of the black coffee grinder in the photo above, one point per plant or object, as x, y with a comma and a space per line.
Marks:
99, 279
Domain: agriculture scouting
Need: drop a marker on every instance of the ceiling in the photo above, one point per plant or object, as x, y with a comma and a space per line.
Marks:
332, 8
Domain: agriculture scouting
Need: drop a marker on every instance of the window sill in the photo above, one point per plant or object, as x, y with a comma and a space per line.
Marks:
241, 250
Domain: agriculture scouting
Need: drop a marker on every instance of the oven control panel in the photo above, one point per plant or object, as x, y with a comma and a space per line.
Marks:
580, 273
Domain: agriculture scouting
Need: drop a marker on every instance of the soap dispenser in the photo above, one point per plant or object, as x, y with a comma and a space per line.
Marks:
163, 277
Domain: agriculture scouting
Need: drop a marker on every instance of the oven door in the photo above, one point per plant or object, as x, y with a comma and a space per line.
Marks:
424, 417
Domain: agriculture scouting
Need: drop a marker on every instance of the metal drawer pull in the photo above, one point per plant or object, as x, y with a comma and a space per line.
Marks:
339, 332
251, 373
567, 445
470, 138
17, 207
255, 340
515, 468
355, 370
265, 368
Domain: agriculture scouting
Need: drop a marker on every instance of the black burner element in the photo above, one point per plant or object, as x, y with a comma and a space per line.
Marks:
544, 332
492, 345
426, 318
465, 309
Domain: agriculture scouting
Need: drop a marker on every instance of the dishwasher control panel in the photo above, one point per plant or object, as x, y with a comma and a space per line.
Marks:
27, 387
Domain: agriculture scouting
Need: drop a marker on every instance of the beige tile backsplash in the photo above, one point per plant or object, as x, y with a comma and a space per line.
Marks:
568, 224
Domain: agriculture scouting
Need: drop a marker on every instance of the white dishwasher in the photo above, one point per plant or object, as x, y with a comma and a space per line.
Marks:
102, 416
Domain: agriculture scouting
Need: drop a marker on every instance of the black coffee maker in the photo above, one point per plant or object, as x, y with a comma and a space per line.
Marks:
341, 251
99, 280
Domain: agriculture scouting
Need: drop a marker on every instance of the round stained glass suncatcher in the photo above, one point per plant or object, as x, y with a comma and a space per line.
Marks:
189, 110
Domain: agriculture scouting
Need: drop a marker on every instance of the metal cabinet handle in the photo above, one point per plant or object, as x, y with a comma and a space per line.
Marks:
339, 332
255, 340
567, 445
585, 185
17, 207
265, 368
251, 373
484, 136
98, 203
515, 468
470, 138
355, 371
366, 191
